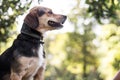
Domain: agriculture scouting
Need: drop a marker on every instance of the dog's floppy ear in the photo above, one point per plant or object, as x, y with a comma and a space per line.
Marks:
32, 20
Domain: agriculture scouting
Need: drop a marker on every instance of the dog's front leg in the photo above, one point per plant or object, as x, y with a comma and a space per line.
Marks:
40, 74
15, 76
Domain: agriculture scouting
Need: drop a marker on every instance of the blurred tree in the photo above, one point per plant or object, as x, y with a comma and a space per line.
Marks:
110, 48
86, 52
79, 59
105, 9
9, 11
108, 10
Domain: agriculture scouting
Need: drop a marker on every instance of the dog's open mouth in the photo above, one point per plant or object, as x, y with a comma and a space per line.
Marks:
55, 24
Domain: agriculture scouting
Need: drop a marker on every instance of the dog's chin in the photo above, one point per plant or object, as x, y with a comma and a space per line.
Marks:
55, 25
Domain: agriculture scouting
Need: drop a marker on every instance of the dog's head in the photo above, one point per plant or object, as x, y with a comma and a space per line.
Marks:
43, 19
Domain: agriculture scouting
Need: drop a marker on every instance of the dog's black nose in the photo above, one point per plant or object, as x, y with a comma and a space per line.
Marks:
64, 18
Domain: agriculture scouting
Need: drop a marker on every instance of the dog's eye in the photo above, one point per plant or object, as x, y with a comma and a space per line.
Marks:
50, 12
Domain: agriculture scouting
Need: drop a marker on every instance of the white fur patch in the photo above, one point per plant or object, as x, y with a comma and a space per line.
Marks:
41, 58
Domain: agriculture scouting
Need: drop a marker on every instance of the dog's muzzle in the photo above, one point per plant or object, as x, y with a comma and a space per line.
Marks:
57, 24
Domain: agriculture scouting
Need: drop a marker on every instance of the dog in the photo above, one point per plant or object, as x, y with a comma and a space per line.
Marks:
25, 59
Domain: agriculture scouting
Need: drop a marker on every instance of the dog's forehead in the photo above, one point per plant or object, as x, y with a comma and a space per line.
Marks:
38, 8
45, 9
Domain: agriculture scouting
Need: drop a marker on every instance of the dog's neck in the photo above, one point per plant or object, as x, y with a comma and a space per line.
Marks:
31, 32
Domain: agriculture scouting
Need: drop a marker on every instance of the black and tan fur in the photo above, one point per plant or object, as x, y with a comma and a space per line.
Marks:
25, 59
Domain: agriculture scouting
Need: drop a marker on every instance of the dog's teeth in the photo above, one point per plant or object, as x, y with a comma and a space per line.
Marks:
52, 22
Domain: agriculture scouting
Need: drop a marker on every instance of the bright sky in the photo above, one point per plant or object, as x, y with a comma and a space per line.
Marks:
58, 6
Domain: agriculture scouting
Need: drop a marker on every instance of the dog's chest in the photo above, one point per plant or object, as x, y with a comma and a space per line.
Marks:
31, 65
40, 59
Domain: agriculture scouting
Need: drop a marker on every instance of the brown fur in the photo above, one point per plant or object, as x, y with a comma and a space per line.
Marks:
27, 54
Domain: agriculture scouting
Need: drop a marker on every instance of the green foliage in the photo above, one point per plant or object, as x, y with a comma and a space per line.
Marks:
79, 59
9, 11
110, 39
110, 47
116, 63
73, 57
105, 9
81, 51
